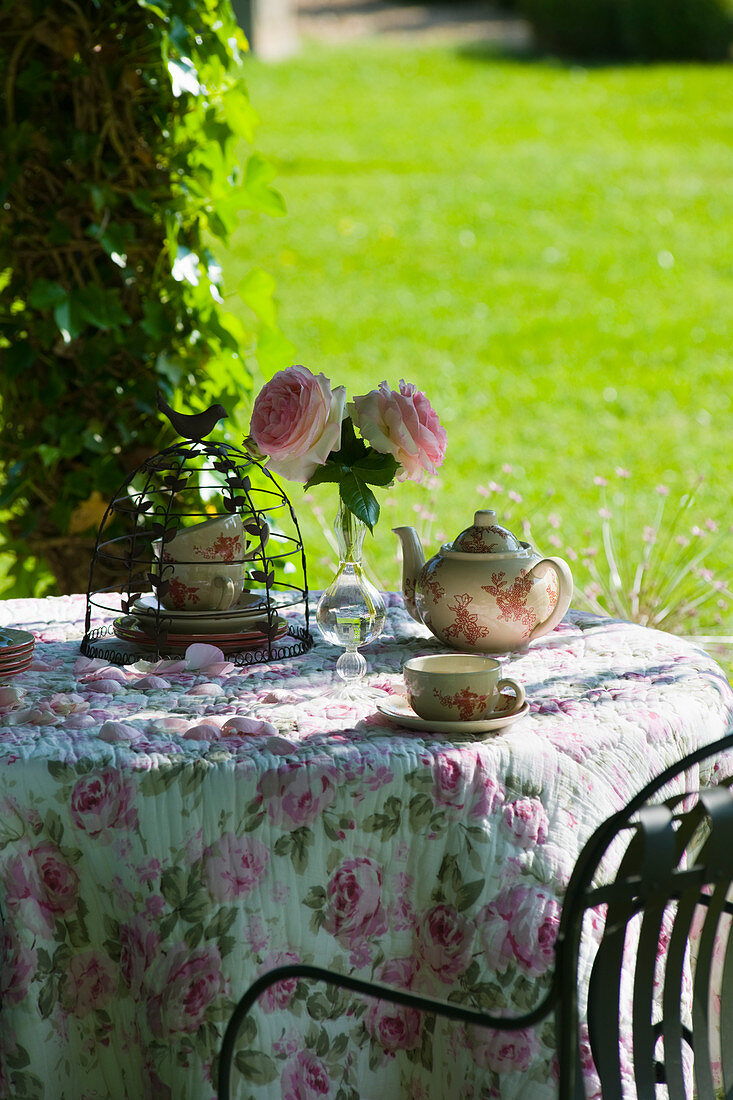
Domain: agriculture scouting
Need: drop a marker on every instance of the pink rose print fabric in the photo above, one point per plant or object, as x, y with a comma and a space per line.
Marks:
166, 836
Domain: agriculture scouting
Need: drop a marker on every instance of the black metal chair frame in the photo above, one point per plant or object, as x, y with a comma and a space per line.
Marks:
651, 876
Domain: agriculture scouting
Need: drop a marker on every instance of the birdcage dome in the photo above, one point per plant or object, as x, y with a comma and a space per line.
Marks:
200, 544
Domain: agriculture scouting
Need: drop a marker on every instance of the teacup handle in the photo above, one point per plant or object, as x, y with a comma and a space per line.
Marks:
225, 586
518, 690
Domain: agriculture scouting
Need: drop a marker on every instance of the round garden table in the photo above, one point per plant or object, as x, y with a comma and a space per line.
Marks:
155, 857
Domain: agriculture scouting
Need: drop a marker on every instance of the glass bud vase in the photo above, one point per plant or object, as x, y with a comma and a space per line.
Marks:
351, 612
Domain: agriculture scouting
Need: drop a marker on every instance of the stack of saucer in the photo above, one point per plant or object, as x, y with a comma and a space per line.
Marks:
242, 626
16, 651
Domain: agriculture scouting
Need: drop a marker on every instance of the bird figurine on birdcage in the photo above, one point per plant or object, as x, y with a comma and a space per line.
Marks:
200, 544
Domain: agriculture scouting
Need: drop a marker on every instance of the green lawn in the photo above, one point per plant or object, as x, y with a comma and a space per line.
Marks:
546, 250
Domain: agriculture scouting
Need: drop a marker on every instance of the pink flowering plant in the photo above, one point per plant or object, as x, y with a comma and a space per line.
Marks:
309, 433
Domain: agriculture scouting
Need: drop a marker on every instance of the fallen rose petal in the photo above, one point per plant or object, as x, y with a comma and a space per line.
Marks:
79, 721
202, 732
204, 689
33, 716
167, 725
201, 654
167, 667
221, 669
118, 731
83, 665
109, 672
10, 695
105, 687
151, 683
238, 723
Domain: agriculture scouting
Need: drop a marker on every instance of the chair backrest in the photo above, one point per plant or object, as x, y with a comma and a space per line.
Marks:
660, 993
643, 954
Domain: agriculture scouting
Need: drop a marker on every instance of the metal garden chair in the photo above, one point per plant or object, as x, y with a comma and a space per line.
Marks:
674, 859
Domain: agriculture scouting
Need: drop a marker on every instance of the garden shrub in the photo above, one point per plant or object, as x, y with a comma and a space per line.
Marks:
634, 29
119, 128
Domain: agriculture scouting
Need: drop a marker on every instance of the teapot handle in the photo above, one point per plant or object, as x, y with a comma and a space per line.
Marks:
564, 595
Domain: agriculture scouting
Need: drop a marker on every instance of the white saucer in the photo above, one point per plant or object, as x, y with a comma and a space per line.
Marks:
249, 612
399, 711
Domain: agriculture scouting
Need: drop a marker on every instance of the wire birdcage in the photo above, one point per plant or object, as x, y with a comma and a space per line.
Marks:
139, 604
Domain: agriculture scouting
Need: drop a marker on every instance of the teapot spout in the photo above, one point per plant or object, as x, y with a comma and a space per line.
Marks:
413, 560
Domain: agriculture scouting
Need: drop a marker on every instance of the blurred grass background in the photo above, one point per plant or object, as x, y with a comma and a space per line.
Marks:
547, 250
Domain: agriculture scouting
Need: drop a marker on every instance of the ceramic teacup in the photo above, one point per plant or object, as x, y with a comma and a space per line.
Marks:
208, 586
219, 539
204, 565
459, 687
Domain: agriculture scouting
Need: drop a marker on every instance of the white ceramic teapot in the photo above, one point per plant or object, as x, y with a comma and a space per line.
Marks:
486, 591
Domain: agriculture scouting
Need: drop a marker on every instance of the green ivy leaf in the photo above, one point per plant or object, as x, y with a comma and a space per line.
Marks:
45, 294
257, 193
256, 289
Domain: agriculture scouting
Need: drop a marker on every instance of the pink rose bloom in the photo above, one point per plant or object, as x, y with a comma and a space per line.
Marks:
295, 797
401, 423
139, 944
521, 925
503, 1051
296, 421
18, 969
446, 939
452, 774
102, 801
41, 886
90, 982
304, 1077
281, 994
189, 981
394, 1027
526, 822
353, 906
233, 866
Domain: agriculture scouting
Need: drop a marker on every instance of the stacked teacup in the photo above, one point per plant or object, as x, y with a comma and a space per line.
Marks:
201, 592
203, 565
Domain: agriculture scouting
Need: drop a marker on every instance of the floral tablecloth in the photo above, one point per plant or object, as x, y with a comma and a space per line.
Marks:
156, 854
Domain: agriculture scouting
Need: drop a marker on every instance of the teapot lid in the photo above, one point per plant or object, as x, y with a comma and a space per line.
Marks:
486, 536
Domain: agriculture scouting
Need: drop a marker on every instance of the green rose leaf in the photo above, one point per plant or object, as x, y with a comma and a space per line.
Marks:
376, 468
359, 499
352, 450
330, 471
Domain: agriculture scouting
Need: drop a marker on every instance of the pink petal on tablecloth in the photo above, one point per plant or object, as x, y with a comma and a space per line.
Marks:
240, 724
203, 732
107, 672
204, 689
151, 683
201, 654
104, 687
118, 731
83, 665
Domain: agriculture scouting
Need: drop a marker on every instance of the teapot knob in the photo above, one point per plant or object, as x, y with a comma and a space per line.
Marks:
485, 517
